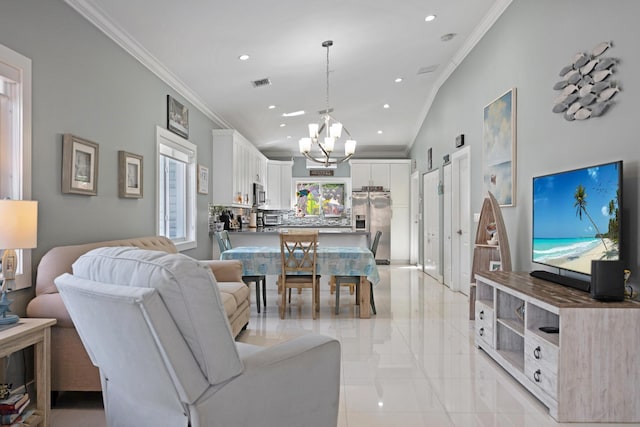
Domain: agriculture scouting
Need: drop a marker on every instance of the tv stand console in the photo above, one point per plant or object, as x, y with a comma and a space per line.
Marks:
586, 369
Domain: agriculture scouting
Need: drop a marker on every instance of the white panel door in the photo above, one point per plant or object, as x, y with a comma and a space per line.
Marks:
461, 215
446, 219
431, 242
415, 219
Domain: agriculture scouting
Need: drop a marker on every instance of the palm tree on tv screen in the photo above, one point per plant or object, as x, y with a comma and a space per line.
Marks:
581, 204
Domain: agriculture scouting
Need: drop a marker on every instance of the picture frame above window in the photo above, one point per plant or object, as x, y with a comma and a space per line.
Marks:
79, 166
203, 179
130, 177
177, 117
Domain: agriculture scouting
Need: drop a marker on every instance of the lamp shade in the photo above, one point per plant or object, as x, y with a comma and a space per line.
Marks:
349, 147
305, 145
313, 130
335, 131
329, 142
18, 224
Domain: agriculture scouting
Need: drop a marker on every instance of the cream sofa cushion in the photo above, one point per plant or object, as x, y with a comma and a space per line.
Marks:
188, 289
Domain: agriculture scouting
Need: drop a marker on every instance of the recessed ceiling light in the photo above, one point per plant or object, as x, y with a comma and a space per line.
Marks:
271, 107
385, 106
243, 57
282, 125
379, 132
398, 79
430, 18
293, 113
288, 136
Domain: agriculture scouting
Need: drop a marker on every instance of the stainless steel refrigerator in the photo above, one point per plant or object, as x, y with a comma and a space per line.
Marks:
372, 212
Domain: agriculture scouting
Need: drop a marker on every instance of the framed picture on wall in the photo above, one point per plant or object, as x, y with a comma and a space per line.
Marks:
499, 148
79, 166
203, 179
129, 175
177, 117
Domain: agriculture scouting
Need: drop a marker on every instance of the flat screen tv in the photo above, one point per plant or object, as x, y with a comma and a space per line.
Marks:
577, 218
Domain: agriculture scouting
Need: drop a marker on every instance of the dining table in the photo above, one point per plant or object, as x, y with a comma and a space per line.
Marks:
330, 260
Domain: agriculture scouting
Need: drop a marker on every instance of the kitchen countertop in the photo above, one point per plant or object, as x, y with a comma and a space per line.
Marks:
321, 229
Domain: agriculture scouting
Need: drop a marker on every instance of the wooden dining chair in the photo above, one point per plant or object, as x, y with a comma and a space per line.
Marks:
224, 242
298, 258
354, 280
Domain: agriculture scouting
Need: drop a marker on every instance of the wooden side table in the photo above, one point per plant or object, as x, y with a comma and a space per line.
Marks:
37, 333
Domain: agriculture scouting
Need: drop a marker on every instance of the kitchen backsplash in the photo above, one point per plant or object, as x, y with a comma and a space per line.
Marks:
288, 218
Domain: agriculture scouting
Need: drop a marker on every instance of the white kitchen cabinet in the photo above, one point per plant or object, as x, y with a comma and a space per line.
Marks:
236, 165
369, 173
278, 187
259, 171
286, 185
400, 229
360, 175
274, 188
399, 175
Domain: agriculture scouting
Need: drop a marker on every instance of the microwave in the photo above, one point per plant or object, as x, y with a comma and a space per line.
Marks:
271, 219
259, 196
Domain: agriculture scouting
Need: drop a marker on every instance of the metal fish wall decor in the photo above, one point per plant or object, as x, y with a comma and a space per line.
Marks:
585, 87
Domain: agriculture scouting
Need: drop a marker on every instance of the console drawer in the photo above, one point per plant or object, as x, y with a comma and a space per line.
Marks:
540, 375
484, 325
541, 352
541, 364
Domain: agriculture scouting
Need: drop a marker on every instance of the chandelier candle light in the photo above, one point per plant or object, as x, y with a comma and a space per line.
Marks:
333, 131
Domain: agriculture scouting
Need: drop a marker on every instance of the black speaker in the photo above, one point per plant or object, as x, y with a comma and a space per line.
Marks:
607, 280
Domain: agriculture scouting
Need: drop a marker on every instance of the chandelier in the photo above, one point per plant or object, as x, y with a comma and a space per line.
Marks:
333, 131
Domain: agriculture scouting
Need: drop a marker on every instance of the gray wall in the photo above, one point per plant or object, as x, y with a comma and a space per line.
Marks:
342, 170
525, 49
85, 84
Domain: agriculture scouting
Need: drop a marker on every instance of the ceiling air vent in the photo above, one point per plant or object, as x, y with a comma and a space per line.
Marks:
429, 69
261, 82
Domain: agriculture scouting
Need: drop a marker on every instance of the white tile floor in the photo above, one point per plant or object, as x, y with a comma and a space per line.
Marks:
414, 364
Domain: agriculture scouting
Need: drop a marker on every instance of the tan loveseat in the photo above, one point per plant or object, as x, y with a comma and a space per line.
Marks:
71, 369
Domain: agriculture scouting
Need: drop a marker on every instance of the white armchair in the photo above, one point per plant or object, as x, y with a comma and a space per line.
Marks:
154, 325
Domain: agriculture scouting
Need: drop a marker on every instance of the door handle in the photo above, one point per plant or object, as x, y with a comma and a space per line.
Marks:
459, 232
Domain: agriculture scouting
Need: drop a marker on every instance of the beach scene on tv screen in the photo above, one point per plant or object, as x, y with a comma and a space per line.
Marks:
576, 217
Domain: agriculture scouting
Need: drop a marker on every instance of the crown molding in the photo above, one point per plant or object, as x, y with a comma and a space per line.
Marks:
104, 23
476, 35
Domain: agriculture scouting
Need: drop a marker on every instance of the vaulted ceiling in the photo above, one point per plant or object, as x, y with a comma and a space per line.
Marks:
195, 46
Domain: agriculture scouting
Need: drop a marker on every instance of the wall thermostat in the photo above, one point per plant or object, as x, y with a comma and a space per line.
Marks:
459, 140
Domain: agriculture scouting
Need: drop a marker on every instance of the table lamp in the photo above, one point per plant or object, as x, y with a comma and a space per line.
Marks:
18, 230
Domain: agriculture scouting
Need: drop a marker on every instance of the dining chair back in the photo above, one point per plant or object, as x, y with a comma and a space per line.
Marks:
298, 259
352, 281
374, 244
224, 242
